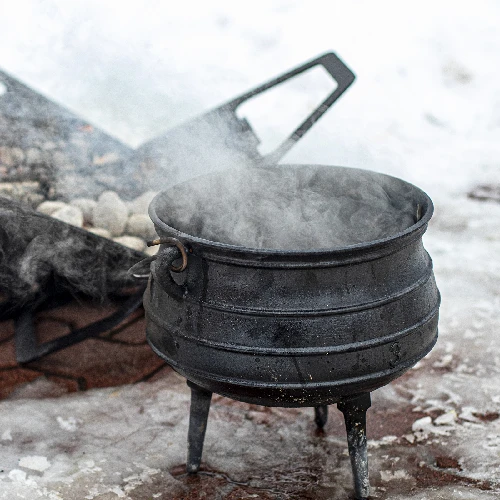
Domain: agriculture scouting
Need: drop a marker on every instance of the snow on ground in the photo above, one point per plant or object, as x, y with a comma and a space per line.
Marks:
425, 107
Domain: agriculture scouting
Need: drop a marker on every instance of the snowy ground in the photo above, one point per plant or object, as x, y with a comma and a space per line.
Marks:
129, 442
425, 107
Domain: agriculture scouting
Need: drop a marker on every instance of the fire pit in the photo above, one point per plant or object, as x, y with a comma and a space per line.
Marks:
311, 310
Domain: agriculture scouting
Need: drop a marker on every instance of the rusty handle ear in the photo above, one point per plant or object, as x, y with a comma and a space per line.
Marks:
141, 270
172, 242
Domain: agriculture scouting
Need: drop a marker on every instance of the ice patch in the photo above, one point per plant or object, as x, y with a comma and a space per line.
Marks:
138, 479
444, 362
447, 418
118, 492
468, 414
424, 427
385, 441
68, 424
19, 476
34, 462
88, 467
388, 475
6, 435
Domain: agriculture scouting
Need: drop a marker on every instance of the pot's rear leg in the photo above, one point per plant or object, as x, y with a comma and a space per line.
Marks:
198, 416
354, 411
321, 415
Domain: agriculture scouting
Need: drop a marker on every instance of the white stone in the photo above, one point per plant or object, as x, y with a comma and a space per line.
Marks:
140, 225
49, 207
70, 215
131, 242
86, 205
100, 232
152, 250
110, 213
141, 203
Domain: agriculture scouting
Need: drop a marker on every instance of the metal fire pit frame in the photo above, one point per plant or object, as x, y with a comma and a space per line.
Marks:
27, 110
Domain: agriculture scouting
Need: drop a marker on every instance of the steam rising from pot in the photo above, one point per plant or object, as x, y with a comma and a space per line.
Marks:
290, 207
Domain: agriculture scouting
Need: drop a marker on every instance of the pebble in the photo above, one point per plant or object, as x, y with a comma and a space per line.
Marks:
140, 225
49, 207
152, 250
86, 205
131, 242
59, 159
11, 157
110, 213
99, 231
141, 204
33, 155
70, 215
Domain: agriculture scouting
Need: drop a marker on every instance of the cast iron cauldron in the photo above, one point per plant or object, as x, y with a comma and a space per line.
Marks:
284, 327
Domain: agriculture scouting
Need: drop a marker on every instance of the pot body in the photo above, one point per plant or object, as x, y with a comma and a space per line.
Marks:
281, 328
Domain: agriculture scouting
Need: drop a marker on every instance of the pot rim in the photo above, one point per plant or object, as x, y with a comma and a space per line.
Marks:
187, 238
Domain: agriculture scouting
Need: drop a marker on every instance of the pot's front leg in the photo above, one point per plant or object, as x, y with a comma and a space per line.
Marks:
198, 416
354, 411
321, 415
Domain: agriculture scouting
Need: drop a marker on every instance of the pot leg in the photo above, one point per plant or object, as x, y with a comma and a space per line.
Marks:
354, 411
198, 416
321, 415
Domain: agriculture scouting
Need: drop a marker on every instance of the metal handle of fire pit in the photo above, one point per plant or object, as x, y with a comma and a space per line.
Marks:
337, 70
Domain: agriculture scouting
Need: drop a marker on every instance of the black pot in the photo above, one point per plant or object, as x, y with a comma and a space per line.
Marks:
282, 327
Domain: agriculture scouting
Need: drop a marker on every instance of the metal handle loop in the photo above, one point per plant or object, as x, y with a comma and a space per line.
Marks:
172, 242
137, 271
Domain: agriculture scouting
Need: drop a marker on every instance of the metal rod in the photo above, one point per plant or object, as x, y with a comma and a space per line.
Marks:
28, 349
321, 416
198, 416
354, 411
